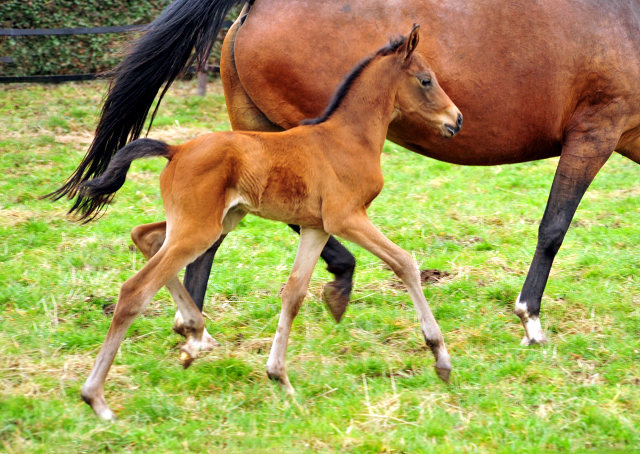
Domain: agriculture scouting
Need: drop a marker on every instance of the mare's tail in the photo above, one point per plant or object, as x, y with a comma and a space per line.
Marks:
156, 59
99, 191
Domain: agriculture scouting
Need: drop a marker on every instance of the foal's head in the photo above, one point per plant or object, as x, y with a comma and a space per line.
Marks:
419, 93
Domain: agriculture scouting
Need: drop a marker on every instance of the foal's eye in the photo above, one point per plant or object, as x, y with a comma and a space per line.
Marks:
425, 82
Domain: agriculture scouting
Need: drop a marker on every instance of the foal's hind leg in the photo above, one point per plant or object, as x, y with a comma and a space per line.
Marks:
311, 243
135, 294
583, 155
149, 238
358, 229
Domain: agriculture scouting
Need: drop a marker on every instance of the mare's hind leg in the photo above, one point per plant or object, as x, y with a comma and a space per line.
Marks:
358, 229
583, 155
341, 263
135, 294
197, 274
311, 243
149, 238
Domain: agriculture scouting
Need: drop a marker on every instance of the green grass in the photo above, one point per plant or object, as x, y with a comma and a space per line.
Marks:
364, 386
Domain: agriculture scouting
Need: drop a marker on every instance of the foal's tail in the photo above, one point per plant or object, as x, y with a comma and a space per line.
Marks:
99, 192
155, 60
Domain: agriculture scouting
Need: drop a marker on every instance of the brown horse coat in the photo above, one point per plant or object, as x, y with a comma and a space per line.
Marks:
524, 74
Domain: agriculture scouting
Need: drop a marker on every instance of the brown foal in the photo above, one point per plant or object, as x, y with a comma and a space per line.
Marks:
322, 175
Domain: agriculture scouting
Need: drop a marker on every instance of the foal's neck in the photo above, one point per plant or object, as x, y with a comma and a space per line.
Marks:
367, 109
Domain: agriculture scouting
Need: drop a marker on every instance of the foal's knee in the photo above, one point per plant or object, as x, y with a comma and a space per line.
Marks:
130, 301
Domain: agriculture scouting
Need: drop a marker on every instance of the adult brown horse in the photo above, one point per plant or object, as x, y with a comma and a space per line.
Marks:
533, 79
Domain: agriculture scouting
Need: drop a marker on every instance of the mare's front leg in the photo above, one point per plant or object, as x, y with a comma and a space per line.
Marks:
135, 294
358, 229
583, 155
149, 238
311, 243
341, 263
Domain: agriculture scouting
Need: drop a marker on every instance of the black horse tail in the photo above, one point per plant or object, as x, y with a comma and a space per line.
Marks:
100, 191
156, 59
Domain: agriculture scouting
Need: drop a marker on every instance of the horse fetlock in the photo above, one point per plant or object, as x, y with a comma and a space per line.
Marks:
178, 325
208, 343
520, 308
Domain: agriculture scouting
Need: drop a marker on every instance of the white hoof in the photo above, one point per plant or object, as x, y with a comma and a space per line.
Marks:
107, 415
535, 335
533, 329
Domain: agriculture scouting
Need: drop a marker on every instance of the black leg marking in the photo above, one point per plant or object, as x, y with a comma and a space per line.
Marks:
196, 276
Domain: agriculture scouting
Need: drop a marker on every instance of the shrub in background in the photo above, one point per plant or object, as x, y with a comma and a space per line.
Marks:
74, 54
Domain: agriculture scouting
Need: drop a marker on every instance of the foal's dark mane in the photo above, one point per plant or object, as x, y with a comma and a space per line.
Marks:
347, 83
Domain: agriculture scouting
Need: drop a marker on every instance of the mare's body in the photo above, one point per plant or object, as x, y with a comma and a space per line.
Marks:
325, 187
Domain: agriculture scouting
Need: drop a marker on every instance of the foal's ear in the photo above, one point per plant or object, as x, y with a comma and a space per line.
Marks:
412, 41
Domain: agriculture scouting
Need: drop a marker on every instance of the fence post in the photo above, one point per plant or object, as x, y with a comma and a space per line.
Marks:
202, 82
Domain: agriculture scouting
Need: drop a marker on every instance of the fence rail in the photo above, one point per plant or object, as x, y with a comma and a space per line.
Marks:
68, 31
72, 31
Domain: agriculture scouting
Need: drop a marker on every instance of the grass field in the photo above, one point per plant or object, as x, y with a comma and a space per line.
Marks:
366, 385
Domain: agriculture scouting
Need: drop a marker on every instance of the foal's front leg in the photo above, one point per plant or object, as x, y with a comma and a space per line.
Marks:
311, 243
358, 229
149, 238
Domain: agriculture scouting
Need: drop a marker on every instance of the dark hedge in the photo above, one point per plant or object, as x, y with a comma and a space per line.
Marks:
77, 54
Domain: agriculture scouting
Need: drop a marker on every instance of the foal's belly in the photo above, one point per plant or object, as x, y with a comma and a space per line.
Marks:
284, 213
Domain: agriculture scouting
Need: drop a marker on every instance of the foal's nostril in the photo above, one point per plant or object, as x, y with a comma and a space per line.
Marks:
459, 122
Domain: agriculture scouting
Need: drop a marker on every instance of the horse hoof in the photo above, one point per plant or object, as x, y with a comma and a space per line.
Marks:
283, 381
443, 373
533, 332
98, 405
336, 297
526, 341
107, 416
186, 359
